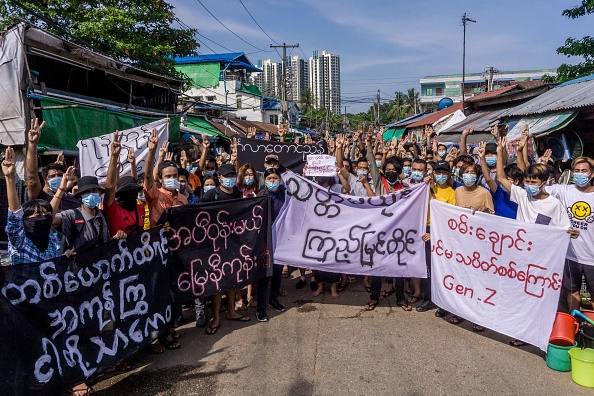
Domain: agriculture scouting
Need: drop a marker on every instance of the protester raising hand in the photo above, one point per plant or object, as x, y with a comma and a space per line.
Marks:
545, 157
465, 133
251, 132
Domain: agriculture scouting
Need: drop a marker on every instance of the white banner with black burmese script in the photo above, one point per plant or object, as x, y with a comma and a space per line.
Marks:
94, 153
499, 273
326, 231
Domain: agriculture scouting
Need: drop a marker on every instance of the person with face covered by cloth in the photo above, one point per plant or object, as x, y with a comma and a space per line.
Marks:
120, 202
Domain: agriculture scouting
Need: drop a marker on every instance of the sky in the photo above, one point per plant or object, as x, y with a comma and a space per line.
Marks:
390, 45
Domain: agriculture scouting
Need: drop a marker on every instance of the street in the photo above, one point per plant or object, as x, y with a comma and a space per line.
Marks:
321, 346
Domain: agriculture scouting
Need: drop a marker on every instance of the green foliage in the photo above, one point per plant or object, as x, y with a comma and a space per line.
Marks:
136, 31
577, 47
307, 100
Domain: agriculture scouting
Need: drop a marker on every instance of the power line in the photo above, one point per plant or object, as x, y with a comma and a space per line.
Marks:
253, 19
231, 31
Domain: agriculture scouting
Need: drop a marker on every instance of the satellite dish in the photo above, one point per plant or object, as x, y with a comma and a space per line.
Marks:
445, 102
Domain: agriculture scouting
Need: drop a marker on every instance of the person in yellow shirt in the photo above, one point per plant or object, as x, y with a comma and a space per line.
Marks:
442, 191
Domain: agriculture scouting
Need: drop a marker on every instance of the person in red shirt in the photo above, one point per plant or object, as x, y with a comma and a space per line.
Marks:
120, 203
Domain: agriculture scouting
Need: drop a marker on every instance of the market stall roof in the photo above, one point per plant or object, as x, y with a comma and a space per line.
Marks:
405, 121
573, 94
540, 124
482, 119
429, 119
200, 125
391, 133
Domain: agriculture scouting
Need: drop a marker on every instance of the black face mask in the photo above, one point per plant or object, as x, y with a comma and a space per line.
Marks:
37, 229
127, 200
391, 176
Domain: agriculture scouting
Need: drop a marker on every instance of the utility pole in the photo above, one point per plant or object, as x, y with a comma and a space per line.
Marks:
465, 19
397, 105
345, 122
492, 72
284, 105
378, 107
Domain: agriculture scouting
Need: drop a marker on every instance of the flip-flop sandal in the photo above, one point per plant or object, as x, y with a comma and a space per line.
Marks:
212, 330
283, 293
456, 320
477, 328
517, 343
414, 299
387, 293
174, 334
341, 287
404, 305
157, 349
370, 306
368, 288
240, 318
170, 344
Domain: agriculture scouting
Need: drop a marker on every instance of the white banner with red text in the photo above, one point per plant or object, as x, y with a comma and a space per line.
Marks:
326, 231
499, 273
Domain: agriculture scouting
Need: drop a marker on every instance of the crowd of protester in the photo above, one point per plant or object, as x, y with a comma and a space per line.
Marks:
65, 214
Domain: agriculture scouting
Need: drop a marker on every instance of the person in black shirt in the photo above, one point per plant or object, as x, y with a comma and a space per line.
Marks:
225, 191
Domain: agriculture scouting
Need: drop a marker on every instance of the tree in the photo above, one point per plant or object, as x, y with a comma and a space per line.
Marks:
307, 100
139, 32
583, 47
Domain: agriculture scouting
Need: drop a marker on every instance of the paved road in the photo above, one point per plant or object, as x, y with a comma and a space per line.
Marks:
321, 346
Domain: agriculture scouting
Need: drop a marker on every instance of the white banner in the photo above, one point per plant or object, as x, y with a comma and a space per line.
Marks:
94, 153
320, 165
379, 236
499, 273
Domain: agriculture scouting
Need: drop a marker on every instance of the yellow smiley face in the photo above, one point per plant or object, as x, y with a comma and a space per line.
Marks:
581, 210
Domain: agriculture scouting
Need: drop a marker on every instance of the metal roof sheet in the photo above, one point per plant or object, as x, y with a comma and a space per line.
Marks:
433, 117
483, 121
570, 95
235, 59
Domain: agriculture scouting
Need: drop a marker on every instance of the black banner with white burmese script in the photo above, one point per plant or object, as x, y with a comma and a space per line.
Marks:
218, 246
292, 156
70, 319
326, 231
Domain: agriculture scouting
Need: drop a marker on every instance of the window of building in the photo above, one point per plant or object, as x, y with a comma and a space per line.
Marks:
438, 91
274, 119
476, 90
497, 86
210, 98
429, 91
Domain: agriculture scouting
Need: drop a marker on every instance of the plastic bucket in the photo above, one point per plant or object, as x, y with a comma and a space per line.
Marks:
558, 357
564, 330
588, 313
582, 366
587, 337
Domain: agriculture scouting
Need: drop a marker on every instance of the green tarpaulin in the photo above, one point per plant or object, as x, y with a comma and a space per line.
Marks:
64, 127
251, 89
203, 75
389, 134
201, 125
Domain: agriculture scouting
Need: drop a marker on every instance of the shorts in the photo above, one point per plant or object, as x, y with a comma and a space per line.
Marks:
572, 276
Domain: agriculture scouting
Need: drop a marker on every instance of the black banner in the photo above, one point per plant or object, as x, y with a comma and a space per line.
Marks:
69, 319
292, 156
218, 246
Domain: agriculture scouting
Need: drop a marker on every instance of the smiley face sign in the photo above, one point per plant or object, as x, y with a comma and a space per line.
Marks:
581, 210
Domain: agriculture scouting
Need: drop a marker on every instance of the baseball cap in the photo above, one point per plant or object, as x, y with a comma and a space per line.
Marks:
271, 157
226, 169
491, 148
445, 165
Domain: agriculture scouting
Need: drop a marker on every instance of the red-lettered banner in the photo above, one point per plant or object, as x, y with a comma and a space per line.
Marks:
500, 273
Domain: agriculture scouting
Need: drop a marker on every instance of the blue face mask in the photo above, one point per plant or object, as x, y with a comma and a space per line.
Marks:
191, 168
141, 197
491, 161
272, 186
532, 190
442, 153
416, 176
441, 179
361, 172
248, 181
91, 200
54, 183
209, 173
171, 184
228, 182
208, 188
469, 179
580, 179
378, 163
407, 170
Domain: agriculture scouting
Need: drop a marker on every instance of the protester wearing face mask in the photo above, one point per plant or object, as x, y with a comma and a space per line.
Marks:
406, 167
456, 175
441, 191
471, 195
417, 174
247, 182
273, 189
378, 160
227, 190
185, 188
210, 183
442, 151
578, 200
271, 161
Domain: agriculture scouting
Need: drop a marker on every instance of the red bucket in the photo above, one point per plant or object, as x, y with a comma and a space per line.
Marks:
564, 330
589, 313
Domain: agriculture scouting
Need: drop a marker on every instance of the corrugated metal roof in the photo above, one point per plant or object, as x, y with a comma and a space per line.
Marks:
483, 121
433, 117
493, 93
571, 95
405, 121
235, 59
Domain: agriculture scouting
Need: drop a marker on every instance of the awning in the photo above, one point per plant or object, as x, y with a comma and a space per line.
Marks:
392, 133
540, 124
253, 89
473, 138
201, 126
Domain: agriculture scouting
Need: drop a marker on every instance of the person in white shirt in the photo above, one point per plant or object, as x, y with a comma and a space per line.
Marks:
578, 201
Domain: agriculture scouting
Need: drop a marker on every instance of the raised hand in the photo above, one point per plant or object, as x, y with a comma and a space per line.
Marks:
169, 156
66, 184
522, 143
35, 130
8, 167
468, 130
481, 150
60, 160
196, 141
282, 131
131, 155
501, 145
251, 132
545, 157
116, 145
153, 140
163, 150
451, 156
205, 142
183, 159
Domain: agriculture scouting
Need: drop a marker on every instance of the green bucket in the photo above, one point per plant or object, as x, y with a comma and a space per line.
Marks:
582, 366
558, 358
